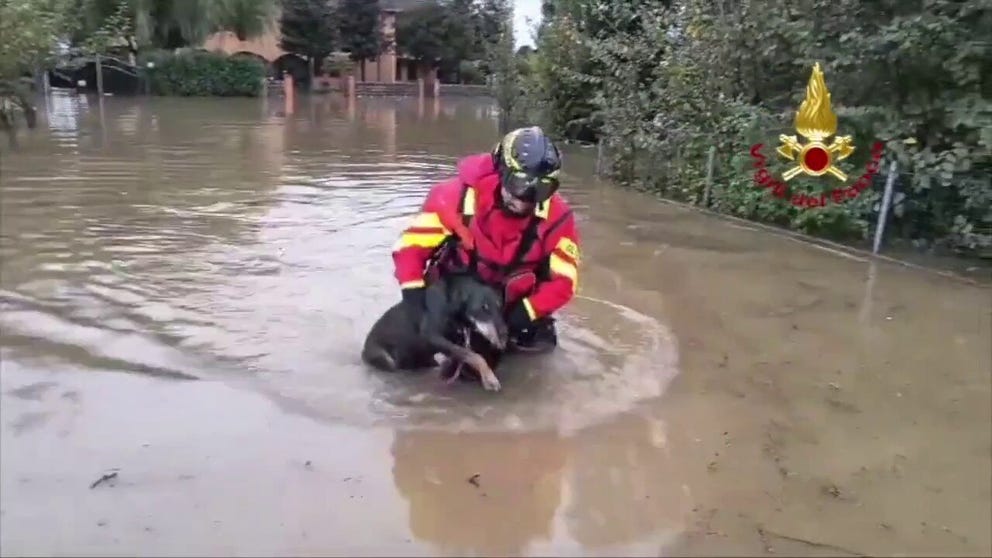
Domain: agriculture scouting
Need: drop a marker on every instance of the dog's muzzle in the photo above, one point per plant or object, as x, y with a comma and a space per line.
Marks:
495, 335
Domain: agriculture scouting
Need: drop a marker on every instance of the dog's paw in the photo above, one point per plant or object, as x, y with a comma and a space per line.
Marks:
491, 383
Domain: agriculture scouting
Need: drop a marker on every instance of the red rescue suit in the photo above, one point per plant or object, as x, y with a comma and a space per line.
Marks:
544, 276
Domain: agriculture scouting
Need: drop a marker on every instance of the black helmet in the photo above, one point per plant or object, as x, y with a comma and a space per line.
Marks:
528, 163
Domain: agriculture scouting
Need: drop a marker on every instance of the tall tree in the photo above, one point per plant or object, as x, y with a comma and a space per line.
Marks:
360, 30
178, 23
31, 30
308, 28
500, 59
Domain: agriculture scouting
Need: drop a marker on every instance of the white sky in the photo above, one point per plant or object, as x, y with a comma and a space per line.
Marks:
523, 9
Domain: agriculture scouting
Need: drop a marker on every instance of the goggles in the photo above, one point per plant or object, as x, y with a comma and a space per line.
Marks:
529, 188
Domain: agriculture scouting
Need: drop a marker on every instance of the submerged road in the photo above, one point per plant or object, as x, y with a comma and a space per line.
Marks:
186, 284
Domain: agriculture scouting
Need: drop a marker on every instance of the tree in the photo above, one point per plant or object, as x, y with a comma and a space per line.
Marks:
666, 80
421, 34
31, 31
244, 18
174, 24
501, 61
308, 28
360, 30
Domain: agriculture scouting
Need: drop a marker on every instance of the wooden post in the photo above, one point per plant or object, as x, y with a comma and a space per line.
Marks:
351, 87
99, 76
420, 89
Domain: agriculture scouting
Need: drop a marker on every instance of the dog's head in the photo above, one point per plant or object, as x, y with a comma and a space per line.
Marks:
481, 308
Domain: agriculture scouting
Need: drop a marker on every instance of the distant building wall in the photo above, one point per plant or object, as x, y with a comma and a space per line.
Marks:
389, 67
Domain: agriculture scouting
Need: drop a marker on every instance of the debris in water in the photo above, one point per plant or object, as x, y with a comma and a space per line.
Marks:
832, 490
308, 464
104, 478
474, 480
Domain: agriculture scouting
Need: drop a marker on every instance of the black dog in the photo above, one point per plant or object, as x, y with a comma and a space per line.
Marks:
462, 316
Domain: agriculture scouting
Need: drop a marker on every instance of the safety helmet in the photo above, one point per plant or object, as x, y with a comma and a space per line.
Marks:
528, 163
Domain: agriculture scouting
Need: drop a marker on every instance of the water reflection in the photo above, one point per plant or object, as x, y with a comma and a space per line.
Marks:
231, 244
626, 485
480, 494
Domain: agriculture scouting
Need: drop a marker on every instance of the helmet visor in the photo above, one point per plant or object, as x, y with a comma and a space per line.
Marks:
529, 188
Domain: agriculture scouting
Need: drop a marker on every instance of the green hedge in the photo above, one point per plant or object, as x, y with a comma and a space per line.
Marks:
204, 74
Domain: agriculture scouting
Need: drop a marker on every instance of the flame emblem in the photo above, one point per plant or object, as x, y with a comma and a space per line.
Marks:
816, 122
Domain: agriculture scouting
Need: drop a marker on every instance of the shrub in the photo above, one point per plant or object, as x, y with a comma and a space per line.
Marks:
201, 74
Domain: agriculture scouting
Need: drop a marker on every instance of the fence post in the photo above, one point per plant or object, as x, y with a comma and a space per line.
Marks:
289, 92
709, 176
99, 76
883, 212
600, 148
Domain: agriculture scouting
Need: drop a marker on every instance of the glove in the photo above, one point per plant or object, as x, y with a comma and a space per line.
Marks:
414, 301
518, 319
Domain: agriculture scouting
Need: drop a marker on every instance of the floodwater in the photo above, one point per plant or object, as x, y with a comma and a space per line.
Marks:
186, 284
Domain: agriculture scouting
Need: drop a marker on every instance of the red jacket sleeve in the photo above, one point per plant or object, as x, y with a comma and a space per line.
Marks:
425, 233
556, 292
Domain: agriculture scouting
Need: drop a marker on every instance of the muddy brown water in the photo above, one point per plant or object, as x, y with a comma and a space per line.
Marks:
186, 284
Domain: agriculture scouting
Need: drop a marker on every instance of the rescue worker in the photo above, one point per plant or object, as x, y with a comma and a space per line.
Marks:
525, 239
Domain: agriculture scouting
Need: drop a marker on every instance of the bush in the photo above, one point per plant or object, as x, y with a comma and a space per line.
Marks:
470, 73
199, 73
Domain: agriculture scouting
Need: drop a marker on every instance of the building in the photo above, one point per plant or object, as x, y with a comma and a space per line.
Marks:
388, 67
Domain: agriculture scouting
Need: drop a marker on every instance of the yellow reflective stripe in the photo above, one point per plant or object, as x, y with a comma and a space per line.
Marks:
562, 267
423, 240
416, 283
508, 157
428, 220
468, 208
530, 309
569, 247
542, 209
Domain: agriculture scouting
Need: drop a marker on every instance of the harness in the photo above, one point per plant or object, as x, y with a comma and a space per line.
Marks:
447, 251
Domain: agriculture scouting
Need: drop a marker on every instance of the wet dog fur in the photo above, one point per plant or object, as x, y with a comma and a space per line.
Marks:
463, 320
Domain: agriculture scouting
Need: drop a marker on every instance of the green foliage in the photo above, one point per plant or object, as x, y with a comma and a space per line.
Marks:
447, 33
30, 31
308, 28
174, 23
470, 73
500, 59
423, 34
198, 73
244, 18
114, 29
359, 28
662, 81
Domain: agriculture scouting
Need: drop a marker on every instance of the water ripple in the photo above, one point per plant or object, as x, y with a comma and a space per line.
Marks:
204, 245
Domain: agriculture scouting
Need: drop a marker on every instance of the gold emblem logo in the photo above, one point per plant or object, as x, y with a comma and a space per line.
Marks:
816, 122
